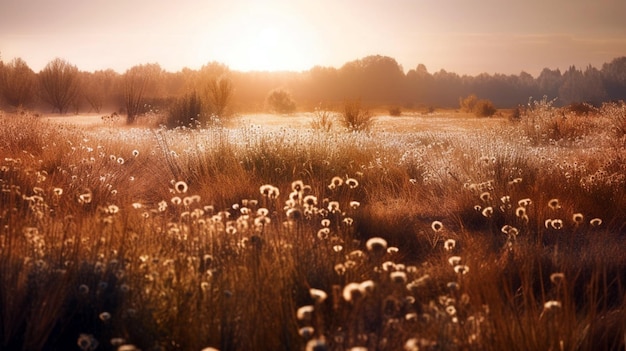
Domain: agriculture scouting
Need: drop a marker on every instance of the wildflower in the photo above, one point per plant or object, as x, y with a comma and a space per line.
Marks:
120, 160
306, 332
262, 221
318, 344
337, 248
454, 260
556, 224
352, 183
392, 250
117, 341
488, 211
297, 186
461, 269
505, 199
87, 342
335, 183
262, 212
325, 222
354, 204
305, 312
376, 244
269, 191
436, 226
83, 289
451, 310
557, 278
181, 187
162, 206
104, 316
351, 292
318, 295
524, 202
367, 286
486, 196
135, 153
578, 218
596, 222
323, 233
449, 244
84, 198
520, 212
176, 200
340, 269
294, 214
310, 200
388, 265
552, 304
333, 206
57, 191
554, 204
113, 209
398, 277
412, 345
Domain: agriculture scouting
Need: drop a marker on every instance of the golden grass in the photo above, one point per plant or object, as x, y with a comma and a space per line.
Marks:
166, 239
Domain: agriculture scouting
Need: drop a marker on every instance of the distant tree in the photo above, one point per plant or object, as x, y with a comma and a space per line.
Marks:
139, 81
280, 101
98, 87
484, 108
355, 116
614, 77
60, 84
18, 83
220, 93
468, 103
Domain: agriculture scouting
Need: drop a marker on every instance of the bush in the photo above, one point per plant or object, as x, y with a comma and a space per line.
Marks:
484, 108
280, 101
355, 117
322, 119
187, 111
395, 111
467, 104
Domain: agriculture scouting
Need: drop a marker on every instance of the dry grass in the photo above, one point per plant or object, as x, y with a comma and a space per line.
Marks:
427, 232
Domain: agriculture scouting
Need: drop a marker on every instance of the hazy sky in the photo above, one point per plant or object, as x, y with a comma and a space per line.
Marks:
463, 36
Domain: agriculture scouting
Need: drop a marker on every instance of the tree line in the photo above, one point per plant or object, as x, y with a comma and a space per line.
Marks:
375, 80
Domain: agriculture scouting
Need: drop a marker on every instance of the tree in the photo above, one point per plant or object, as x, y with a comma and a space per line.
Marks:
220, 92
17, 83
280, 101
139, 81
60, 84
99, 86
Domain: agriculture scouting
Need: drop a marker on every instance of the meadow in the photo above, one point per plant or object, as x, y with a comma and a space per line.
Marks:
428, 232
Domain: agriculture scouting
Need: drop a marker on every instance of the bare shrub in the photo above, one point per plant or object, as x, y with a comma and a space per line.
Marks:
355, 116
395, 111
220, 93
280, 101
484, 108
322, 119
187, 111
60, 84
468, 103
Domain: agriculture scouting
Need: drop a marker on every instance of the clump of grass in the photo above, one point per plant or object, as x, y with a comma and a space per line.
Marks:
355, 116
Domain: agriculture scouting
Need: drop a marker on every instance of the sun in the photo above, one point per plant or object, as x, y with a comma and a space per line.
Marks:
264, 40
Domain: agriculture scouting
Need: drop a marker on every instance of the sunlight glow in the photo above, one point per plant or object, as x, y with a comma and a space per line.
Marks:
261, 40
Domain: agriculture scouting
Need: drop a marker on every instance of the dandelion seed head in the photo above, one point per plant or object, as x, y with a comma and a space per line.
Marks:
181, 187
552, 304
367, 286
485, 196
336, 182
596, 222
554, 204
524, 202
376, 244
176, 200
454, 260
318, 295
436, 226
557, 278
104, 316
351, 292
323, 233
306, 332
352, 183
337, 248
461, 269
556, 224
87, 342
392, 250
340, 269
305, 313
451, 310
487, 211
398, 277
578, 218
449, 244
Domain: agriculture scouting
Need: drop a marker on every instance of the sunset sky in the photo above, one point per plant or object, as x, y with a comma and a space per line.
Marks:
462, 36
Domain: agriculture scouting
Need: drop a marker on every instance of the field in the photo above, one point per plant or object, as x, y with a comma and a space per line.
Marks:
427, 232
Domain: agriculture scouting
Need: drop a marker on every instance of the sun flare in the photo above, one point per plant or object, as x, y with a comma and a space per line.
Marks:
260, 40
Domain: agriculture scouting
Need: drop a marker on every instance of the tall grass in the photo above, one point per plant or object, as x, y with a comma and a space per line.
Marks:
255, 239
